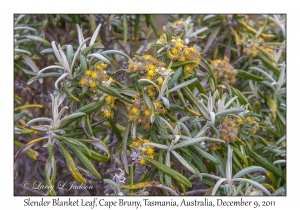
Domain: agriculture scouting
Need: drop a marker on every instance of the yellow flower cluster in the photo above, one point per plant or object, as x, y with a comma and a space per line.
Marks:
140, 113
252, 124
181, 52
149, 68
107, 108
142, 151
176, 27
213, 146
250, 48
224, 71
162, 39
228, 129
94, 75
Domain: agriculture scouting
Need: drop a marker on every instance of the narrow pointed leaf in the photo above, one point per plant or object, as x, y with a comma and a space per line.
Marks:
183, 162
84, 160
206, 155
40, 119
249, 170
95, 34
112, 183
181, 85
195, 141
73, 116
27, 146
100, 57
42, 76
78, 51
169, 171
125, 141
72, 166
59, 79
255, 184
37, 38
216, 187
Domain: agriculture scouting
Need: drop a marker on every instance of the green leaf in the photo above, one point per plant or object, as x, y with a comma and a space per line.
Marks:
243, 100
200, 87
179, 64
236, 37
24, 28
95, 34
268, 64
255, 184
48, 50
147, 20
115, 129
198, 162
136, 26
50, 170
263, 161
216, 187
175, 77
249, 170
84, 160
73, 116
246, 75
153, 26
22, 51
262, 28
88, 49
78, 50
238, 153
50, 67
229, 111
210, 71
267, 54
195, 141
40, 119
184, 163
21, 41
160, 146
169, 171
37, 38
125, 141
272, 105
101, 145
107, 52
43, 75
113, 92
206, 155
145, 82
75, 142
112, 183
100, 57
76, 133
88, 109
17, 131
181, 85
19, 116
59, 79
94, 155
125, 31
69, 52
72, 166
29, 152
27, 146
